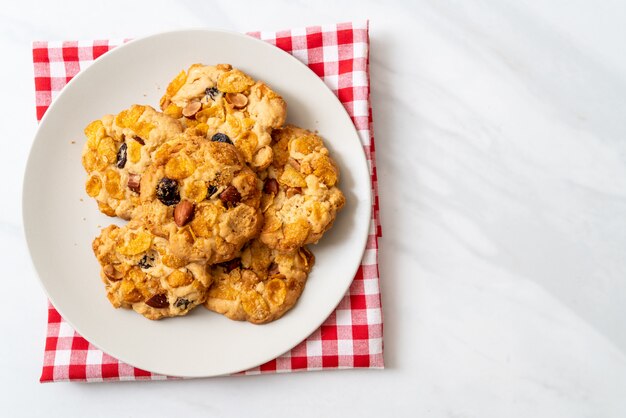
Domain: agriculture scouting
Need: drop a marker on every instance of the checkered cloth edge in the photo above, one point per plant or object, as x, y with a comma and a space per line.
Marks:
353, 334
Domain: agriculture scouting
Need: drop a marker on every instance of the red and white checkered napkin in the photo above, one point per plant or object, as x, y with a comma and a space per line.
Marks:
353, 335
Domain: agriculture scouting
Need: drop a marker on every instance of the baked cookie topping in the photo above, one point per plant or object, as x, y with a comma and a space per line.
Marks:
118, 150
201, 196
261, 285
140, 273
223, 100
221, 199
301, 197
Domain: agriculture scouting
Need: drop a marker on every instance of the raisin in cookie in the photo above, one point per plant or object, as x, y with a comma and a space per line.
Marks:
222, 100
300, 199
118, 150
202, 197
140, 273
261, 285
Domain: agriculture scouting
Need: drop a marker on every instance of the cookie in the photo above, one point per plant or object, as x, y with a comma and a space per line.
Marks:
223, 100
140, 273
261, 285
301, 198
202, 197
118, 150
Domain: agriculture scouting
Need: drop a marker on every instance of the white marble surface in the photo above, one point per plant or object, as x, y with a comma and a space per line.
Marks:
501, 138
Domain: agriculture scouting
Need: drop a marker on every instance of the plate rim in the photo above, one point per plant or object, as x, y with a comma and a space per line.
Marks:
37, 138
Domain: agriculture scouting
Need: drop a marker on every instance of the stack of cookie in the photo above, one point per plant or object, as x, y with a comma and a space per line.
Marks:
221, 199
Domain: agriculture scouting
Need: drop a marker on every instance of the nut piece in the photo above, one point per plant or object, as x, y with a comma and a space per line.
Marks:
292, 191
294, 163
270, 187
158, 301
134, 182
183, 213
230, 195
111, 273
238, 100
191, 109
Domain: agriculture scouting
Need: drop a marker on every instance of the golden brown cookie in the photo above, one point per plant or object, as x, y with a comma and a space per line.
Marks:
301, 198
202, 197
140, 273
259, 286
118, 151
223, 100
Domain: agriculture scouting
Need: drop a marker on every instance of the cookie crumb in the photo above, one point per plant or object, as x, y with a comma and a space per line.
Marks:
72, 142
81, 199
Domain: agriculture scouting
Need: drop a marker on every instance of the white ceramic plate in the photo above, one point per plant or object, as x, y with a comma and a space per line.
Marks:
60, 226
